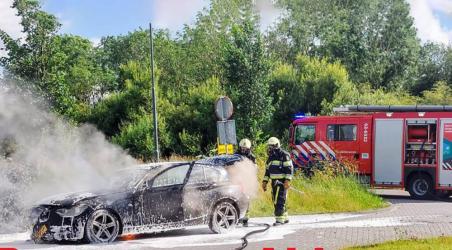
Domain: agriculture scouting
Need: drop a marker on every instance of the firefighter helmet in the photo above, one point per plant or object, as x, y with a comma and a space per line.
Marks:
274, 142
245, 143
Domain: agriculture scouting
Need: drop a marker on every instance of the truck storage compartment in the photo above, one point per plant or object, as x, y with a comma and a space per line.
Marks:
420, 144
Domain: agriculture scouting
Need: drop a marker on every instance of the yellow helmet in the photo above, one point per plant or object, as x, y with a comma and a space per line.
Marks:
273, 141
245, 143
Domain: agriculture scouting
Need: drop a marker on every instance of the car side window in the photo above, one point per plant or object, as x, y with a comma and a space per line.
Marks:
172, 176
197, 175
213, 175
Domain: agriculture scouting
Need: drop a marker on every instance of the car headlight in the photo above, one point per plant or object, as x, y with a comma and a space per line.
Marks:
44, 216
73, 211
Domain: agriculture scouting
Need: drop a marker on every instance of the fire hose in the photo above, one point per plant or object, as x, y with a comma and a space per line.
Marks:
244, 238
266, 225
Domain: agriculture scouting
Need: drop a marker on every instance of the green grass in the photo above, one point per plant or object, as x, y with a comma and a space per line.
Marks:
322, 194
326, 192
440, 243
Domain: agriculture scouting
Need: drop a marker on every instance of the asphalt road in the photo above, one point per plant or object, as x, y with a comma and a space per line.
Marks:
405, 218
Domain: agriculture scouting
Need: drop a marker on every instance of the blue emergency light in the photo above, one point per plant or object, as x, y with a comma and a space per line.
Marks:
299, 116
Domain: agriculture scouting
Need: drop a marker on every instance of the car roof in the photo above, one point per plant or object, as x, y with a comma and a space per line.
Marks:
221, 160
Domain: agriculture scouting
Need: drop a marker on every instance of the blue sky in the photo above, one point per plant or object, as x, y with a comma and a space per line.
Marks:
94, 19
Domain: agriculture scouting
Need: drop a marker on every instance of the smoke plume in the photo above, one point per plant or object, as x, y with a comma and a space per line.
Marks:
42, 155
244, 173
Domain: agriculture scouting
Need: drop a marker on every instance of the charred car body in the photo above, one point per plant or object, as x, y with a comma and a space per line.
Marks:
146, 199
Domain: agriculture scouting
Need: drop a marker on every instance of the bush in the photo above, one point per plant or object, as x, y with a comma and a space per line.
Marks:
137, 138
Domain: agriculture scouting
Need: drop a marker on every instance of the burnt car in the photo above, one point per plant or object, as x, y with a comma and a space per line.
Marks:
146, 199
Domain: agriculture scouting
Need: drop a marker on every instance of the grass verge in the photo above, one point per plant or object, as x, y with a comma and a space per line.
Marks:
441, 243
325, 192
322, 194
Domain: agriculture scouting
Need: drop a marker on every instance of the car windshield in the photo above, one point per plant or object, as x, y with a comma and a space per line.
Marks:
129, 178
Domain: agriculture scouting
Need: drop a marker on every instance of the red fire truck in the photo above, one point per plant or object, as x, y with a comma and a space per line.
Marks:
393, 146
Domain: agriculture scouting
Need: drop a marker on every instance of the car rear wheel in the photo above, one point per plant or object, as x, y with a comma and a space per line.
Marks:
102, 227
420, 187
224, 217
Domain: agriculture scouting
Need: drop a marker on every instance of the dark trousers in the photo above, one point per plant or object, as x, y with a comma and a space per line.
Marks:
279, 196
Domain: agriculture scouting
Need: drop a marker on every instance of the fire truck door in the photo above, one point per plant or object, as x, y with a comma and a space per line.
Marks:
343, 137
388, 151
445, 153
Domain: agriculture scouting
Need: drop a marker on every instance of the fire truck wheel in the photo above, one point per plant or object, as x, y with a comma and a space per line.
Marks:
420, 187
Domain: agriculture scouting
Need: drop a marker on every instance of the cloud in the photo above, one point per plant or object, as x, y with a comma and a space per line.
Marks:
95, 41
173, 14
9, 22
442, 5
269, 13
428, 25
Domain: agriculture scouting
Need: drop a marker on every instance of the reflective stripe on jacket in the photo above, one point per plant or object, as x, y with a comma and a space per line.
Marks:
279, 166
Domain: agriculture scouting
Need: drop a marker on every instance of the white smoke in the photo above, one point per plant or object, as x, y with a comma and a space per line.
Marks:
42, 155
244, 174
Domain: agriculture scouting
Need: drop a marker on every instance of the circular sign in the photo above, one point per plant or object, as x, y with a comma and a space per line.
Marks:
223, 108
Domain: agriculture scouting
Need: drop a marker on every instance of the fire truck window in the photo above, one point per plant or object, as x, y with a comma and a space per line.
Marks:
304, 133
341, 132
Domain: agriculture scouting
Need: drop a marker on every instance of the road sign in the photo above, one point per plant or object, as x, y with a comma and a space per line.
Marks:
225, 149
226, 132
223, 108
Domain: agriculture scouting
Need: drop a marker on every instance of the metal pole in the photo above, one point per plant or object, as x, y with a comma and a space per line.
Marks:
154, 99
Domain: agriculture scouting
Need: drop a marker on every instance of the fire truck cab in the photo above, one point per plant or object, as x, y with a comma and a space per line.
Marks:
392, 146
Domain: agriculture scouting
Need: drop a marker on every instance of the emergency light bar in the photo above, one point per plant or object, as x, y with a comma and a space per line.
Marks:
394, 108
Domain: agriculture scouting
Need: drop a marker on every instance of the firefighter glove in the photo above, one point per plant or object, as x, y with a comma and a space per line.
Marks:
286, 184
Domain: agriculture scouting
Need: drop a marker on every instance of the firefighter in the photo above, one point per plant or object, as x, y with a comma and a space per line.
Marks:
280, 171
245, 150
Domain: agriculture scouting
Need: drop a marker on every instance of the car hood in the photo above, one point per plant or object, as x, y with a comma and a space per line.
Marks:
70, 199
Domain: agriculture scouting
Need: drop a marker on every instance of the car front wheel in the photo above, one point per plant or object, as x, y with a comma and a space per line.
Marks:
102, 227
224, 217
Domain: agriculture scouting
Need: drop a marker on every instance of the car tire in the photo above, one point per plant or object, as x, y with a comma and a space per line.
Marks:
420, 187
224, 217
102, 227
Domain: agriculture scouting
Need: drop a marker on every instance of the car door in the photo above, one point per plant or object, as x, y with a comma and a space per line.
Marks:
194, 200
199, 190
163, 196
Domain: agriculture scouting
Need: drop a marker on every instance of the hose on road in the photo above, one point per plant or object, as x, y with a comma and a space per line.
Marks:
244, 238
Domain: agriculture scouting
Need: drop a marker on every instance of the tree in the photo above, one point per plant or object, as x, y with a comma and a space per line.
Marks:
29, 60
190, 118
62, 68
441, 94
246, 73
312, 86
431, 68
375, 40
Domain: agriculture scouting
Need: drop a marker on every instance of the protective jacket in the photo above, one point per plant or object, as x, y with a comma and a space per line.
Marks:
279, 166
279, 169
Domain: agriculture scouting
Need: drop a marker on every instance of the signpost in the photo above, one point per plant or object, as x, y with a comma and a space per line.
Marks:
225, 127
154, 100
